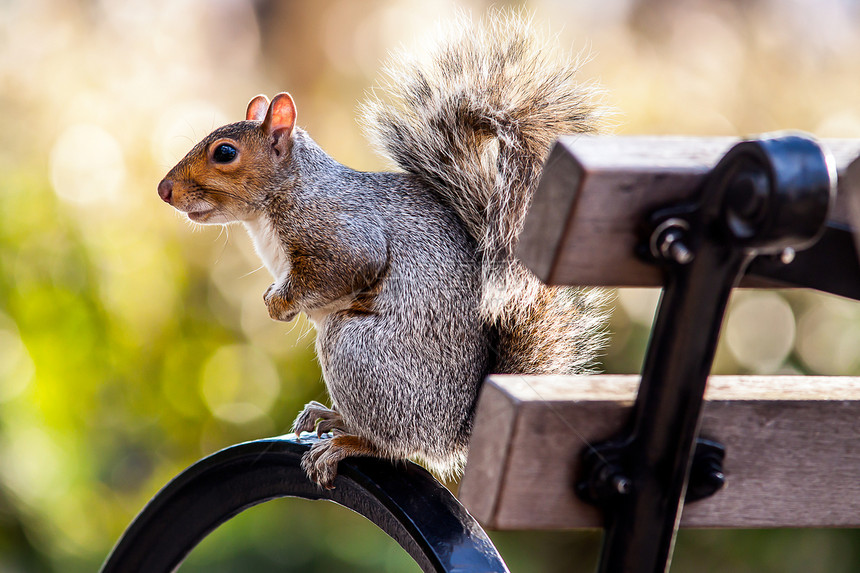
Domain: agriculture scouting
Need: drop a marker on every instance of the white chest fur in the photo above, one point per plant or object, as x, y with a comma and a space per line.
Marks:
269, 248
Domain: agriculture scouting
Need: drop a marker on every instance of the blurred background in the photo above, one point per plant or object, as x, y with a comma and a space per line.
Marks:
132, 344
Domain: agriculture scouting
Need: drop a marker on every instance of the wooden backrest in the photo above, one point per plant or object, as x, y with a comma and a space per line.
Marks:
596, 191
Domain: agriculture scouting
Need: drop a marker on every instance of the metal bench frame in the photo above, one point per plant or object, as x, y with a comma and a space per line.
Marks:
403, 500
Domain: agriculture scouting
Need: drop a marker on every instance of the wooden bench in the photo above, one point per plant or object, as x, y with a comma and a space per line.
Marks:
792, 450
617, 452
791, 444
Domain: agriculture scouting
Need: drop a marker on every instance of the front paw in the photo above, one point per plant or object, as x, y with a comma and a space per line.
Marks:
279, 306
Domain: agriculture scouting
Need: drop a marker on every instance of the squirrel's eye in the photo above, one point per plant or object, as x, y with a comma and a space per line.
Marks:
225, 153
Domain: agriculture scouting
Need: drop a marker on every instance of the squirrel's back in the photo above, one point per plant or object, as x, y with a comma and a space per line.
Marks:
474, 118
410, 278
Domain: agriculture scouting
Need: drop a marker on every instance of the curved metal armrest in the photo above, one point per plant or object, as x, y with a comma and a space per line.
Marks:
404, 500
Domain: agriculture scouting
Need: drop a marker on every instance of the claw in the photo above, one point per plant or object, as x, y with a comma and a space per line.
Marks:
326, 426
280, 306
320, 462
316, 415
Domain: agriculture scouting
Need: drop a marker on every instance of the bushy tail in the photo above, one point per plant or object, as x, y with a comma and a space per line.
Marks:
474, 116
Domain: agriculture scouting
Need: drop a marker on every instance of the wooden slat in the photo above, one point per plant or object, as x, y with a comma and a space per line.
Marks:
596, 191
793, 450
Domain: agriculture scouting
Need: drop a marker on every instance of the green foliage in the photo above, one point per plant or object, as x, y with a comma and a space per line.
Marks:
131, 346
102, 404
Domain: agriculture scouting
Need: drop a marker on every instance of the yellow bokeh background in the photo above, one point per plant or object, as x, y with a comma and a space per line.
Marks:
133, 343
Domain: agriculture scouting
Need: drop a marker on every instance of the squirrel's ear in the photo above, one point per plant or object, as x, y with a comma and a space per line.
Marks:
257, 108
280, 120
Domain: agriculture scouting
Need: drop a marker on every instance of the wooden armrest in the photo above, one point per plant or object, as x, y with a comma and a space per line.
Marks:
792, 450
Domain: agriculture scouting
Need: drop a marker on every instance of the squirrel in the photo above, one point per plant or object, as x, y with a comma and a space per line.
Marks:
410, 276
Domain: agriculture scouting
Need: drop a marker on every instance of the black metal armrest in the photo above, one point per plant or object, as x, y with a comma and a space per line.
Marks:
404, 500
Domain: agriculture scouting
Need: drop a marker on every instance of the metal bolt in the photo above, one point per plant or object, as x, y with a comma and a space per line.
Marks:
667, 241
621, 484
680, 253
672, 247
706, 472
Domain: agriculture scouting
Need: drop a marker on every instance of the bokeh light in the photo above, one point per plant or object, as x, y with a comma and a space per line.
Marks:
760, 331
133, 342
87, 166
16, 365
830, 337
239, 383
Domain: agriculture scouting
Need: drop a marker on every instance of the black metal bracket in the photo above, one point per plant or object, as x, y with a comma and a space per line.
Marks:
604, 480
404, 500
763, 198
830, 265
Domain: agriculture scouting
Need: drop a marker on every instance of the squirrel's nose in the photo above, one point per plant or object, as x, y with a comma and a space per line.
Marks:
165, 190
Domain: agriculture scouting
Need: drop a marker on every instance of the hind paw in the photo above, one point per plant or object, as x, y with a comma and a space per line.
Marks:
316, 415
320, 462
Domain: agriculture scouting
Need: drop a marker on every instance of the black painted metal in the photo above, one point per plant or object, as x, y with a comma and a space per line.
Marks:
404, 500
831, 265
706, 470
763, 197
604, 478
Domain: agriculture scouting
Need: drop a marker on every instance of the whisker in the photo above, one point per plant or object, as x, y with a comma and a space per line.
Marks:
224, 246
249, 273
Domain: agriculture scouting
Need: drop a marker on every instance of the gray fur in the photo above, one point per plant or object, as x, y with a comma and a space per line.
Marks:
474, 119
404, 374
410, 277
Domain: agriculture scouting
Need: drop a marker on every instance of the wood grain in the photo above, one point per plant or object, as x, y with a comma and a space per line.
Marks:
793, 450
596, 191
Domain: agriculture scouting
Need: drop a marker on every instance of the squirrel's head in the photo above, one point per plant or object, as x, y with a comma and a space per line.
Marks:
224, 178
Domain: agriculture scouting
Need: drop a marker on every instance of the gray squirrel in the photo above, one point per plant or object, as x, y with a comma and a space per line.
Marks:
410, 277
